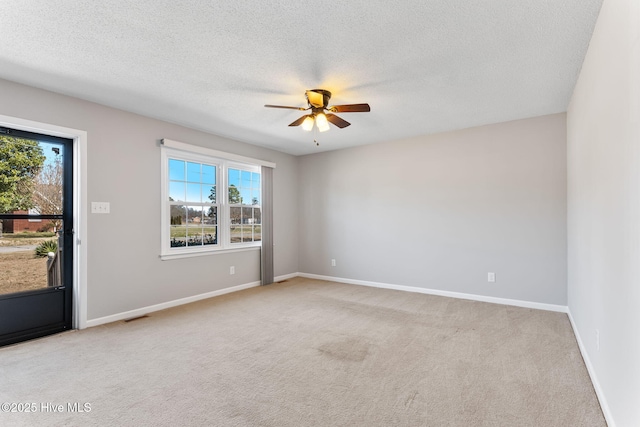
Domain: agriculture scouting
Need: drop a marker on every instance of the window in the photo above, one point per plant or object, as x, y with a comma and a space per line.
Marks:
193, 208
244, 206
210, 203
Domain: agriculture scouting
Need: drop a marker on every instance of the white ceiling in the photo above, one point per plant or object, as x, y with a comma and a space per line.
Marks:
423, 66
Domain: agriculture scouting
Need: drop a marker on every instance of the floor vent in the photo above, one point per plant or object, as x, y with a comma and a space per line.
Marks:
135, 318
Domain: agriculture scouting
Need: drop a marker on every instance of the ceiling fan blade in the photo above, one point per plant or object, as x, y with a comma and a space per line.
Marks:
299, 121
337, 121
350, 108
284, 106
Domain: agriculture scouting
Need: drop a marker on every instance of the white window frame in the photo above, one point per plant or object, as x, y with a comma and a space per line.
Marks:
222, 161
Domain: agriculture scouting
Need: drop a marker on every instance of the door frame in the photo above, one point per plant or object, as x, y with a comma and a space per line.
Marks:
79, 137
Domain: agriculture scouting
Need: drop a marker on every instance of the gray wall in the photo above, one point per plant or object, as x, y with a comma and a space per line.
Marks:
442, 211
123, 164
603, 130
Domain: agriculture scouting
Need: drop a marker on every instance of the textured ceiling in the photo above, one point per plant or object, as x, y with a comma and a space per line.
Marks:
423, 66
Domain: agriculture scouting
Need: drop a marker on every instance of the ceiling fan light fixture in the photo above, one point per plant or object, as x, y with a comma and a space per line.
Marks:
307, 124
321, 122
317, 105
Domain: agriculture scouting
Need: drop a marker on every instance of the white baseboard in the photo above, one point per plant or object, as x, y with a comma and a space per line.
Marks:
149, 309
146, 310
592, 374
285, 277
494, 300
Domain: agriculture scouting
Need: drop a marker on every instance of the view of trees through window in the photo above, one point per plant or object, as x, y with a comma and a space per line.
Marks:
212, 203
193, 209
31, 181
244, 206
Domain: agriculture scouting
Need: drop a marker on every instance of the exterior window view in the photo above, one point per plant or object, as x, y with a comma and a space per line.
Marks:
205, 212
193, 204
31, 179
244, 206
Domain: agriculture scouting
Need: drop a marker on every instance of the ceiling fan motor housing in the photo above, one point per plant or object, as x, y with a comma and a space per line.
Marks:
318, 98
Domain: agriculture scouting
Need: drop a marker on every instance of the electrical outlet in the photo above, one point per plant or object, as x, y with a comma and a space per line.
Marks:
598, 339
100, 207
232, 270
333, 263
491, 277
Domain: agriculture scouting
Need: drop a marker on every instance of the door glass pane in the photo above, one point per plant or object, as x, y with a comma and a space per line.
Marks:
31, 184
21, 269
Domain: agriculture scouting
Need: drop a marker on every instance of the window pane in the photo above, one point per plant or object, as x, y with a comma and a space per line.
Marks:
234, 195
255, 179
194, 235
235, 215
257, 233
178, 229
194, 225
246, 179
210, 236
247, 233
209, 194
245, 196
194, 215
176, 170
193, 172
178, 234
176, 191
193, 192
257, 216
178, 215
211, 216
255, 197
247, 215
234, 177
235, 233
208, 174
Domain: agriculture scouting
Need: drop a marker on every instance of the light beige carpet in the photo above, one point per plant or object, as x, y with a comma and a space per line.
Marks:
310, 353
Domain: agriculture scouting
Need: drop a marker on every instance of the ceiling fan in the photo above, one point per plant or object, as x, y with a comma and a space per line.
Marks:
318, 103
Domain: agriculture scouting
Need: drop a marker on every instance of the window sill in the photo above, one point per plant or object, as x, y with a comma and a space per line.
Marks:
167, 257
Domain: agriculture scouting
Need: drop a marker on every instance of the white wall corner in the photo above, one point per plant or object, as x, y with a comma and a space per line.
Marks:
592, 373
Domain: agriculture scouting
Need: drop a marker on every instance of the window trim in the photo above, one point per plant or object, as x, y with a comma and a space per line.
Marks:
222, 161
